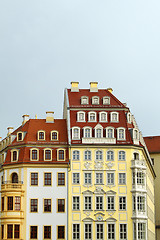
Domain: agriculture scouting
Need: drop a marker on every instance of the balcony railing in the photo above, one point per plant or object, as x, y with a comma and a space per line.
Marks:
138, 164
99, 140
9, 185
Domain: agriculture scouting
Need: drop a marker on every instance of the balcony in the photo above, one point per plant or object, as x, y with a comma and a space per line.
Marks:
13, 187
138, 164
139, 214
139, 187
99, 140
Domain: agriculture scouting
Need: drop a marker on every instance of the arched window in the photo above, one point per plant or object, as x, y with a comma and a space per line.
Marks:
54, 135
84, 100
75, 133
20, 136
121, 155
103, 117
34, 154
110, 155
81, 116
136, 135
41, 135
114, 117
76, 155
48, 154
14, 178
61, 154
87, 132
14, 156
92, 117
99, 155
121, 133
106, 100
109, 132
99, 133
95, 100
136, 156
87, 155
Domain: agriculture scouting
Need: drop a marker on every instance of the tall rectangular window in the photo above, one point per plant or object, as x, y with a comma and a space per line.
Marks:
61, 232
16, 231
47, 205
87, 178
122, 203
34, 179
99, 178
76, 231
110, 178
76, 203
17, 203
47, 232
47, 179
141, 203
87, 203
61, 179
110, 203
88, 232
99, 203
142, 231
111, 231
76, 178
61, 205
33, 232
2, 204
99, 232
122, 178
2, 231
123, 231
9, 203
10, 231
34, 205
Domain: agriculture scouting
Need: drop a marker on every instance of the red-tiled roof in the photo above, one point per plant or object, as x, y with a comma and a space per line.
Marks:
153, 144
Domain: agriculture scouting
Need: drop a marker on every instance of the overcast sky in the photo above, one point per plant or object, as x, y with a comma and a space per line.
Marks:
44, 45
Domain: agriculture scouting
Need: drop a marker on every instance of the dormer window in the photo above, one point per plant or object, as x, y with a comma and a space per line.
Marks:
106, 100
92, 117
47, 154
19, 136
114, 117
61, 155
54, 135
103, 117
98, 131
129, 117
84, 100
109, 132
75, 133
14, 155
95, 100
136, 134
81, 116
34, 154
41, 135
121, 134
87, 132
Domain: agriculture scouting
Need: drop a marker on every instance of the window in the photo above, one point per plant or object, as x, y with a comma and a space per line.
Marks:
87, 155
103, 117
99, 232
99, 155
110, 203
87, 132
122, 178
136, 134
129, 119
54, 135
76, 203
141, 203
61, 179
111, 231
99, 133
34, 154
9, 203
33, 232
2, 204
41, 135
81, 116
114, 117
106, 100
61, 205
109, 133
84, 100
76, 155
34, 179
14, 177
88, 231
17, 203
110, 156
121, 134
16, 231
87, 203
14, 155
47, 232
61, 232
110, 178
95, 100
136, 156
47, 179
123, 231
99, 178
48, 155
141, 231
122, 203
47, 205
76, 133
76, 178
122, 156
140, 178
99, 203
92, 117
61, 156
34, 205
2, 231
19, 136
10, 231
76, 231
87, 178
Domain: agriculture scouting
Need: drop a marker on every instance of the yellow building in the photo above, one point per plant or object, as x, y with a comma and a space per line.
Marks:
153, 145
111, 177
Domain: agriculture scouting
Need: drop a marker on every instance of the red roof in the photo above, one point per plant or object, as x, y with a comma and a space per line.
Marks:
153, 144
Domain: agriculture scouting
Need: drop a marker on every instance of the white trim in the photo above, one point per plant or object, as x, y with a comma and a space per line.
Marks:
75, 138
118, 133
112, 120
100, 117
78, 116
89, 116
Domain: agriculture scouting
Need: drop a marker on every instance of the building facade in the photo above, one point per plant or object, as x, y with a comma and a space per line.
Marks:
111, 177
153, 145
34, 166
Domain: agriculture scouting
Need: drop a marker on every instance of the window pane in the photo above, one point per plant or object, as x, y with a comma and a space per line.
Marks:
61, 232
61, 179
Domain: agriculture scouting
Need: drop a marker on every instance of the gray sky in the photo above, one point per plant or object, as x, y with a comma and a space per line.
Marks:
44, 45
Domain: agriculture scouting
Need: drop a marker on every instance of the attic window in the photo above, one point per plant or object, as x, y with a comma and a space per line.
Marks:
84, 100
19, 136
106, 100
41, 135
95, 100
54, 135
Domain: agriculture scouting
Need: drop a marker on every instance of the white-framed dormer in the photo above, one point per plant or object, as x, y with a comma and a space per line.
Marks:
87, 132
129, 117
41, 135
34, 154
54, 135
47, 154
84, 100
114, 117
81, 116
109, 132
121, 133
98, 131
106, 100
136, 136
20, 136
14, 155
102, 116
75, 133
61, 154
95, 100
92, 116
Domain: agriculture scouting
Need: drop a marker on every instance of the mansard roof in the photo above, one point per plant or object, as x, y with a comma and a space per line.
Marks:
153, 144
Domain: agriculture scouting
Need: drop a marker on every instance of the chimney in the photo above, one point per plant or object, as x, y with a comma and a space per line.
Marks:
110, 90
50, 117
93, 86
74, 87
25, 118
10, 130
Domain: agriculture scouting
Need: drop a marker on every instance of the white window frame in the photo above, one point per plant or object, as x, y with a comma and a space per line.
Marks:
100, 223
119, 137
108, 154
123, 238
123, 203
112, 118
76, 179
111, 197
129, 117
106, 100
84, 98
87, 180
84, 132
120, 155
100, 203
100, 117
111, 223
93, 100
108, 183
88, 151
77, 233
88, 233
108, 134
89, 116
78, 116
78, 135
87, 203
120, 182
76, 203
100, 156
73, 153
100, 179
